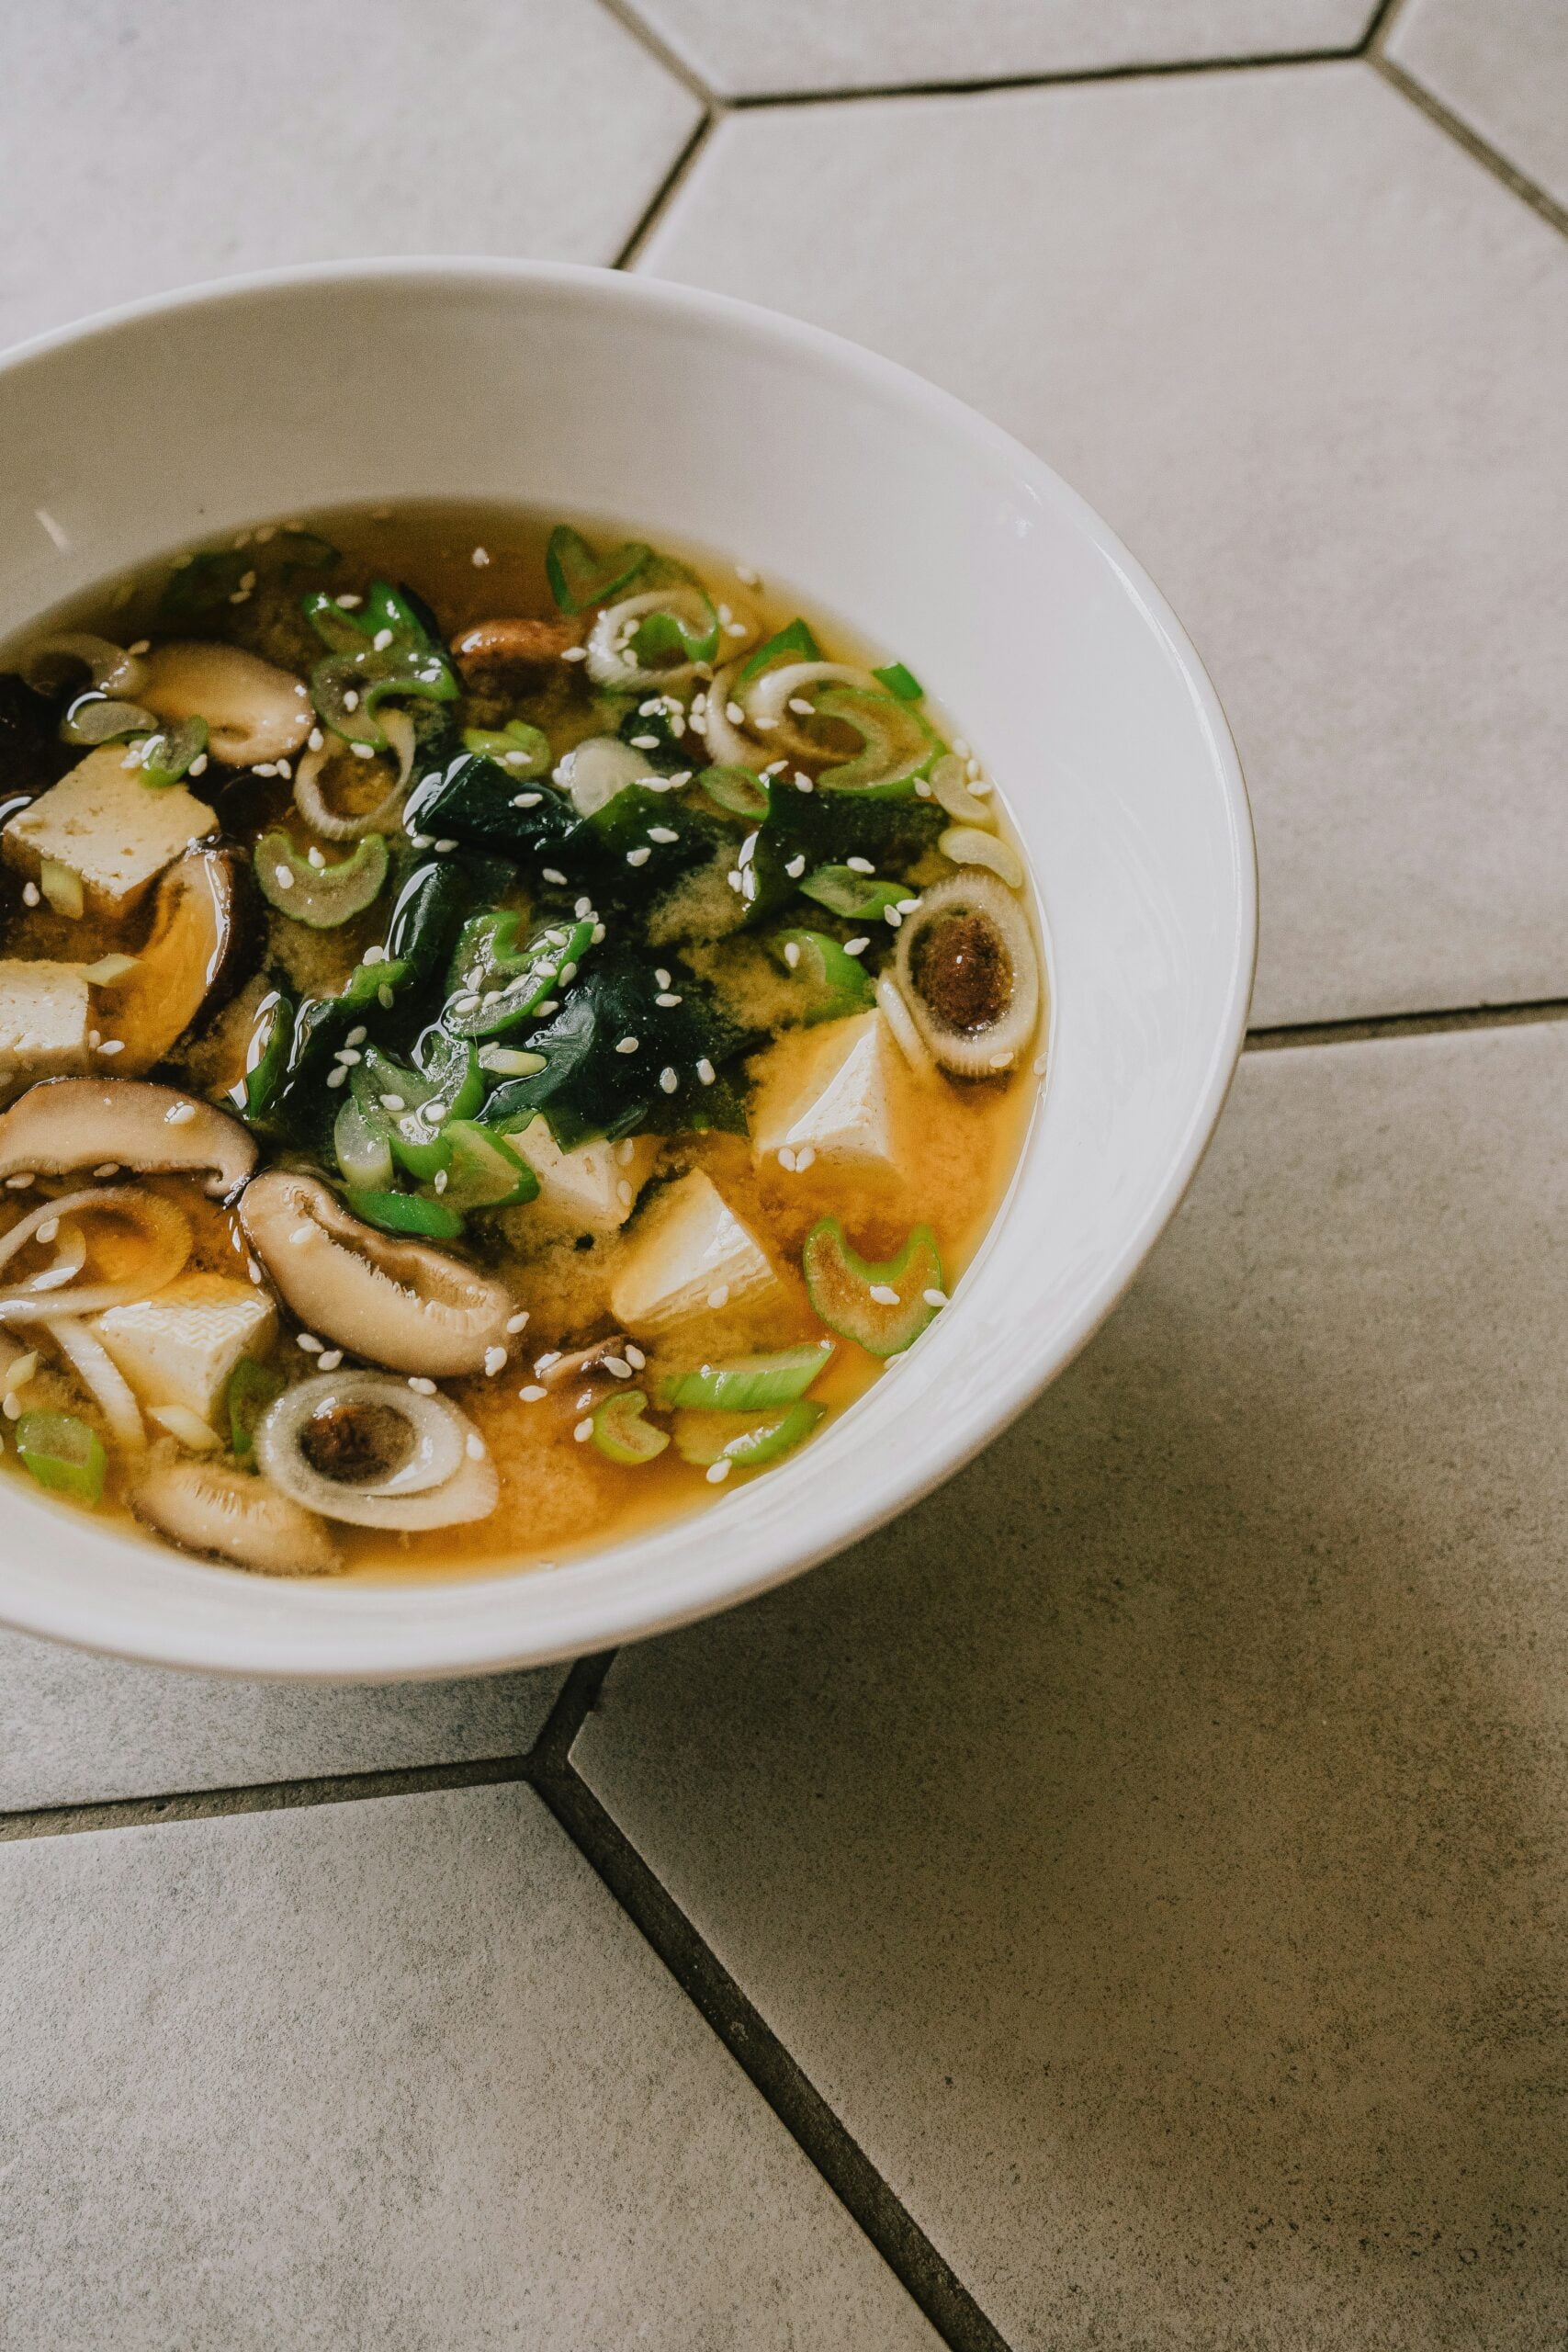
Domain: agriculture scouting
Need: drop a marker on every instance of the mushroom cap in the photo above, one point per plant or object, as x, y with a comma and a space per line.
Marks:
493, 652
253, 710
396, 1302
209, 1507
204, 926
67, 1122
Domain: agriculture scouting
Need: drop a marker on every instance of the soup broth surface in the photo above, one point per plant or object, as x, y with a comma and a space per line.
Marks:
599, 920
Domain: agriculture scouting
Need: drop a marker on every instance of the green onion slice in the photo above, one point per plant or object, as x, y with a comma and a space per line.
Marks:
844, 1288
579, 577
406, 1108
900, 683
622, 1433
485, 1170
748, 1383
751, 1441
252, 1386
491, 986
857, 897
795, 643
896, 745
166, 757
266, 1055
738, 792
321, 897
63, 1452
428, 1220
523, 751
832, 983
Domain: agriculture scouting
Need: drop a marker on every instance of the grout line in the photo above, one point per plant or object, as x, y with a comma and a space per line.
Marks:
1457, 1019
649, 216
1474, 146
751, 101
1382, 25
630, 21
264, 1796
768, 2065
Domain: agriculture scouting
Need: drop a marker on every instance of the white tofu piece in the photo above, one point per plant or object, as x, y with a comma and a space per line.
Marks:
109, 826
842, 1089
692, 1251
180, 1346
45, 1015
591, 1190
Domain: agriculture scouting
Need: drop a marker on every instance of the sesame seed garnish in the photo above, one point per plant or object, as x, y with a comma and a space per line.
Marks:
635, 1357
662, 833
786, 1158
19, 1184
668, 1080
384, 999
644, 742
935, 1298
480, 558
309, 1342
717, 1472
583, 1431
794, 867
734, 713
598, 933
264, 767
803, 783
516, 1323
543, 1364
420, 1385
329, 1358
624, 1193
48, 1229
856, 946
735, 629
391, 1101
495, 1359
357, 1036
792, 951
923, 788
300, 1234
109, 1168
706, 1071
667, 1000
474, 1446
363, 751
860, 865
382, 640
744, 572
283, 876
421, 841
891, 916
112, 1045
583, 909
374, 956
440, 1180
639, 857
551, 874
720, 1296
142, 645
527, 800
804, 1158
532, 1393
338, 1076
575, 653
627, 1044
1000, 1061
961, 747
179, 1115
885, 1294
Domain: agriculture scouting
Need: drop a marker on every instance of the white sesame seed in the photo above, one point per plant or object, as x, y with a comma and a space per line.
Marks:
624, 1193
885, 1294
792, 953
48, 1229
787, 1159
239, 597
421, 841
443, 847
961, 747
109, 1168
316, 857
668, 1080
734, 713
735, 879
391, 1101
338, 1076
583, 909
494, 1360
550, 1356
12, 1408
384, 999
804, 1158
583, 1431
112, 1045
635, 1357
283, 876
329, 1358
794, 867
803, 783
907, 906
719, 1297
373, 955
667, 1000
420, 1385
309, 1342
302, 1234
743, 571
179, 1115
979, 788
356, 1036
363, 751
706, 1071
575, 653
598, 933
19, 1184
480, 558
639, 857
516, 1323
661, 834
243, 539
440, 1180
860, 865
382, 640
643, 743
923, 788
935, 1298
527, 800
94, 1038
142, 645
351, 700
717, 1472
567, 973
627, 1044
735, 629
1000, 1061
551, 874
798, 703
891, 916
775, 767
532, 1393
972, 768
856, 946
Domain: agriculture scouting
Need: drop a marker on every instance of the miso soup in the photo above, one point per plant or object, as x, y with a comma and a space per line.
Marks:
505, 1029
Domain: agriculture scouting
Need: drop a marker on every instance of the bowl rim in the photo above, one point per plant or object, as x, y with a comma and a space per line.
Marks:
108, 1627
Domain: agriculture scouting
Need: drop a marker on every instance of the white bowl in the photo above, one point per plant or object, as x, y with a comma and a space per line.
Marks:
921, 525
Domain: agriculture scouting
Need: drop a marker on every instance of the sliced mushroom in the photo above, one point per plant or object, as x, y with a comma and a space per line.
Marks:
67, 1122
227, 1514
361, 1447
203, 931
498, 653
396, 1302
602, 1358
253, 710
967, 969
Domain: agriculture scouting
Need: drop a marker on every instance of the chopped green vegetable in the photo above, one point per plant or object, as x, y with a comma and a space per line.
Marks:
794, 643
200, 582
252, 1386
413, 1213
884, 1308
747, 1383
749, 1440
266, 1055
832, 983
166, 757
579, 577
859, 898
523, 751
321, 897
738, 792
492, 986
406, 1107
94, 717
897, 745
623, 1434
475, 800
685, 631
392, 646
900, 683
484, 1172
63, 1452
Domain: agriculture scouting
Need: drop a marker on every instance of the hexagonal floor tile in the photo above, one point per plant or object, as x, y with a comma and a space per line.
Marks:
1308, 357
1501, 66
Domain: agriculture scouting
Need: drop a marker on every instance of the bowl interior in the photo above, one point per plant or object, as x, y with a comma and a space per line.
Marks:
924, 528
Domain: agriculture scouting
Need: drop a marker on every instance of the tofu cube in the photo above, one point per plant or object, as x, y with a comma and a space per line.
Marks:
180, 1346
106, 826
45, 1015
842, 1089
691, 1251
591, 1190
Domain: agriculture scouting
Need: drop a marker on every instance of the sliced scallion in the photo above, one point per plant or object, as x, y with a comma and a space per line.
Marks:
883, 1308
64, 1453
428, 1220
901, 683
252, 1386
831, 983
166, 757
579, 577
857, 897
523, 751
321, 897
749, 1440
623, 1433
748, 1383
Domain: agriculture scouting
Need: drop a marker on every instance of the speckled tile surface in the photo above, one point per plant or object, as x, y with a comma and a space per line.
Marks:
1309, 359
1502, 67
153, 145
385, 2075
1155, 1846
749, 50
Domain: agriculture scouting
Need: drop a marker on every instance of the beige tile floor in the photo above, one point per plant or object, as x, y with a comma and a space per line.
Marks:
1125, 1904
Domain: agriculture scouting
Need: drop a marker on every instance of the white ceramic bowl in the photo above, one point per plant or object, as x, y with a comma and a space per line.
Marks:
916, 522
